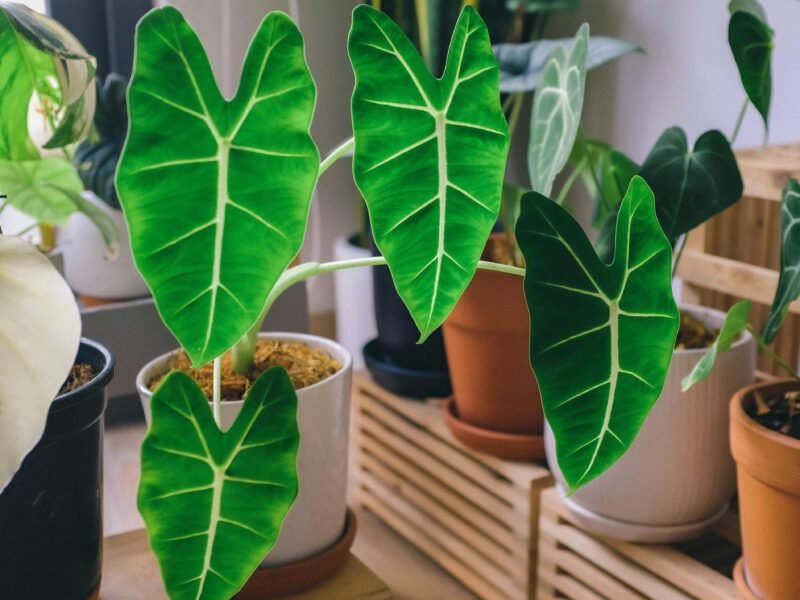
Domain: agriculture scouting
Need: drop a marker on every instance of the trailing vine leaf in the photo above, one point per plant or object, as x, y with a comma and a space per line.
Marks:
691, 186
41, 56
216, 193
522, 65
601, 335
37, 188
556, 113
789, 281
40, 328
214, 502
735, 323
751, 41
429, 157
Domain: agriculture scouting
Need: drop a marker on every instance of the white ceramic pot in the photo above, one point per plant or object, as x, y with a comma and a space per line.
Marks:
86, 267
317, 518
677, 478
355, 301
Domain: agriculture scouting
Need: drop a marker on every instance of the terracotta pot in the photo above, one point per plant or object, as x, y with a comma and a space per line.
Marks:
768, 469
487, 343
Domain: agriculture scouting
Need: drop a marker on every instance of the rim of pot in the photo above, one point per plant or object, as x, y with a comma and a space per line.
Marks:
102, 378
332, 346
697, 311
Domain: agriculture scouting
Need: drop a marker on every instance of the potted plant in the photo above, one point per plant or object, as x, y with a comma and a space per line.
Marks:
88, 270
596, 406
216, 195
53, 391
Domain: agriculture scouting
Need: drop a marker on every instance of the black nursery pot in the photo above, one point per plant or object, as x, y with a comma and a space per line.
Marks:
51, 528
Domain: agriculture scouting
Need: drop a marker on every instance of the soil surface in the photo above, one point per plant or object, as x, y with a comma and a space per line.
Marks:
778, 412
305, 365
500, 249
80, 375
693, 333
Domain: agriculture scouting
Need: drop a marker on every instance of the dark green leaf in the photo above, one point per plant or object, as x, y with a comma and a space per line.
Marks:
216, 193
789, 282
535, 6
751, 41
602, 336
736, 322
750, 6
429, 157
691, 186
214, 502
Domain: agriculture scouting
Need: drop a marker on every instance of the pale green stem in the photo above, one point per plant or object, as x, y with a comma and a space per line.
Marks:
516, 110
25, 230
337, 153
676, 258
739, 120
217, 391
763, 347
573, 177
592, 167
242, 352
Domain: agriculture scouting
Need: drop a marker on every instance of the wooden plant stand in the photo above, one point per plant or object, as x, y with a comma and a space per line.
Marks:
579, 565
473, 514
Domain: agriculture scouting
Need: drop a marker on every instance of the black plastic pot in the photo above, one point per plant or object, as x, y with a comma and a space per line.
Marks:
51, 527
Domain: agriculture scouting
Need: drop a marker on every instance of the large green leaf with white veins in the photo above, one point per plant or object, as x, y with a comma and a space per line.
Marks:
752, 41
216, 193
40, 328
214, 502
601, 335
556, 113
789, 281
429, 157
691, 185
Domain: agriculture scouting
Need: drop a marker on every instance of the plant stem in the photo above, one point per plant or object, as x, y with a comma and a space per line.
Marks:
217, 391
337, 153
25, 230
677, 255
573, 177
763, 347
243, 351
739, 120
516, 110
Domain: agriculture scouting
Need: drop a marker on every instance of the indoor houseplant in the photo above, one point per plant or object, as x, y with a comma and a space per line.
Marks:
239, 176
53, 382
87, 268
672, 491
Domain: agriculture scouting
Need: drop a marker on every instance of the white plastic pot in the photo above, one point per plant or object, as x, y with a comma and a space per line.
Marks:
355, 302
678, 477
86, 266
317, 518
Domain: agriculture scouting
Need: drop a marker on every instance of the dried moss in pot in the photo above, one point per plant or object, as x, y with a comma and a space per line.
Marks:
694, 333
778, 411
304, 364
79, 375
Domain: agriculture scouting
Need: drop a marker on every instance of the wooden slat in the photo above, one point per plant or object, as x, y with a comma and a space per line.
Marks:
766, 171
571, 588
587, 573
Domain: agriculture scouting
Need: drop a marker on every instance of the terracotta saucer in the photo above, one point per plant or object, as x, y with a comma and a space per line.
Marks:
740, 580
510, 446
296, 577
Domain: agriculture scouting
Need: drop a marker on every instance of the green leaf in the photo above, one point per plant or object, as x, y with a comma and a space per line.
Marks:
535, 6
789, 281
751, 41
556, 113
522, 65
216, 193
429, 157
41, 56
736, 322
214, 502
601, 335
40, 328
750, 6
38, 187
691, 186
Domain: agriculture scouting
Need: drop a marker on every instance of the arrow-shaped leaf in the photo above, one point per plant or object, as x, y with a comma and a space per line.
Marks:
214, 502
216, 193
429, 157
556, 113
751, 41
601, 335
691, 186
789, 281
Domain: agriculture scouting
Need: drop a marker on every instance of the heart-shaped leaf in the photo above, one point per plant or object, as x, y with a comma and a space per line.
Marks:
735, 323
37, 188
601, 335
522, 65
216, 193
691, 186
40, 329
214, 502
41, 56
751, 41
789, 281
556, 113
429, 157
